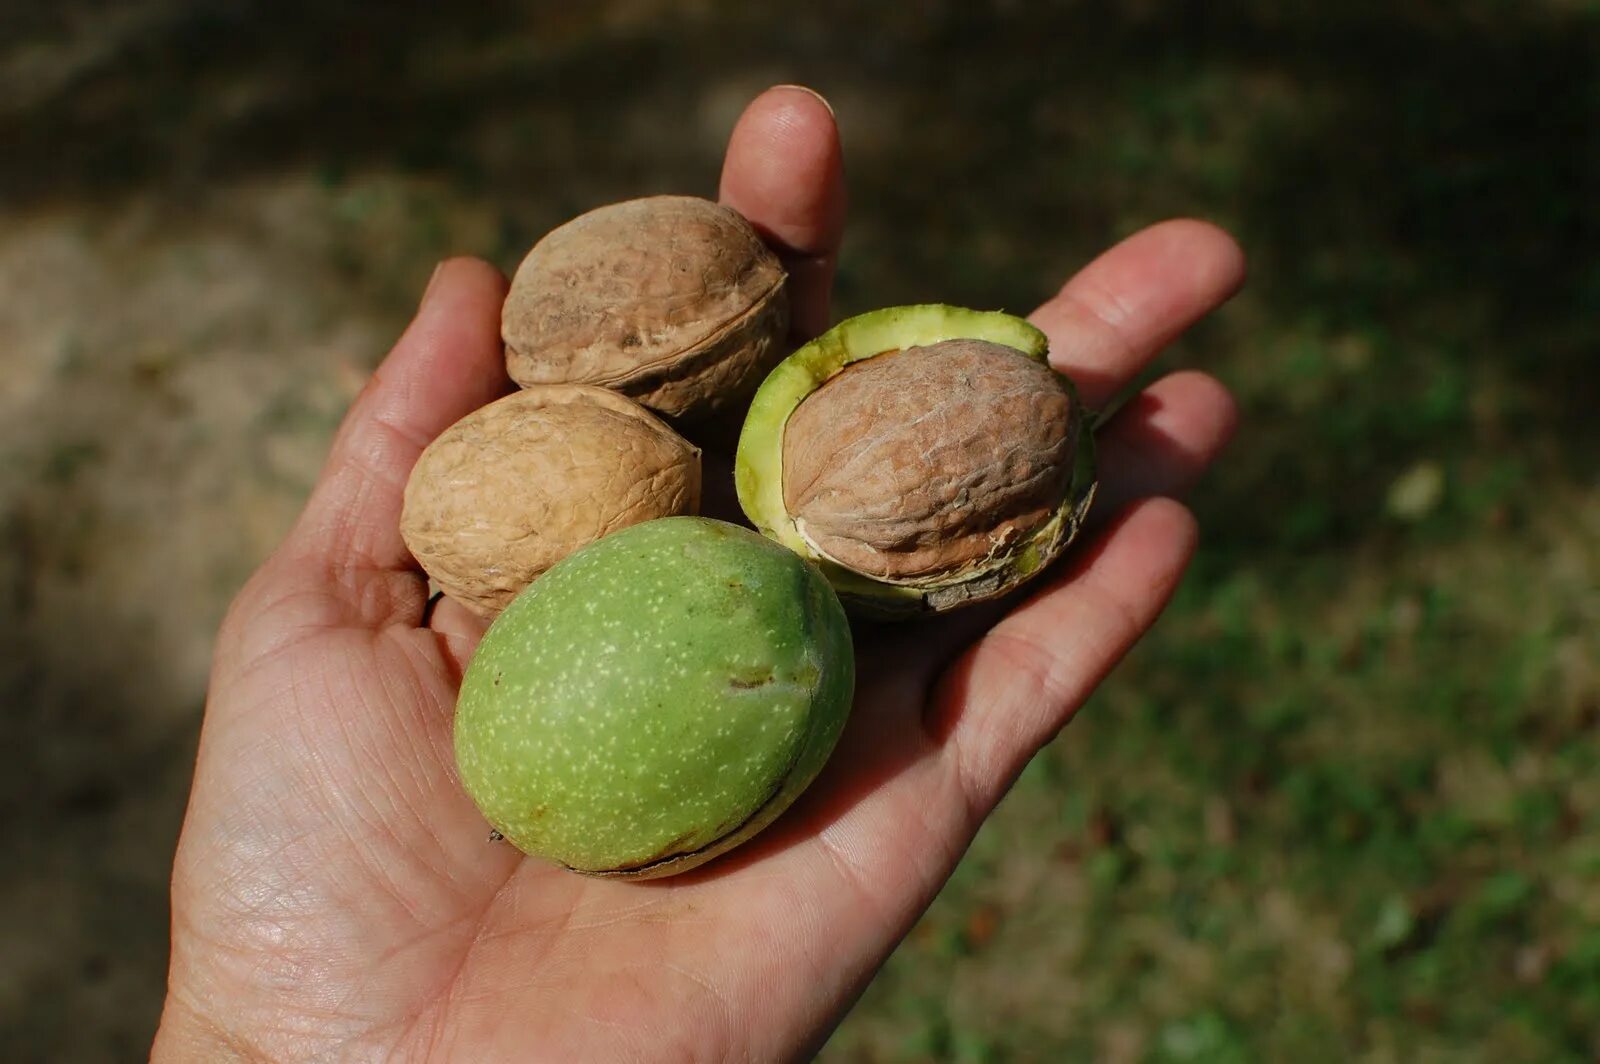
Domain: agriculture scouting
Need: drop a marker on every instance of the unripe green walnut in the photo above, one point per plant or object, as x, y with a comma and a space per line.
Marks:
655, 699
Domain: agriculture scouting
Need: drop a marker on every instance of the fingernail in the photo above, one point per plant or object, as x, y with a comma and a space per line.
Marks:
433, 280
823, 100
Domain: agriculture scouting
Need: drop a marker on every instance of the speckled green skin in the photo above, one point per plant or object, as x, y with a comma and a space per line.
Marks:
655, 699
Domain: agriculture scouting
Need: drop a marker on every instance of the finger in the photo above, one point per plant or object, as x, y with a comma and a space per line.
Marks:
1020, 683
784, 172
448, 363
1163, 440
1118, 312
460, 628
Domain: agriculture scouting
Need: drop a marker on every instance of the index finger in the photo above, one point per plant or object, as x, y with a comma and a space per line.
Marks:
1116, 314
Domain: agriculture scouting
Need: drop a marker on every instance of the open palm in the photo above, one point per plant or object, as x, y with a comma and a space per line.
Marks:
335, 894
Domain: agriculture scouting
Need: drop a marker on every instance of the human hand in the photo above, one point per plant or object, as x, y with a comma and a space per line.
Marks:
334, 896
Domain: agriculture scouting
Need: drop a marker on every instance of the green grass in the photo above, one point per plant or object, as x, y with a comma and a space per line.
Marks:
1374, 837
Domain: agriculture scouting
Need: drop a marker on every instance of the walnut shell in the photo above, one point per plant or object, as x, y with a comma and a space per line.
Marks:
514, 487
926, 462
672, 300
925, 457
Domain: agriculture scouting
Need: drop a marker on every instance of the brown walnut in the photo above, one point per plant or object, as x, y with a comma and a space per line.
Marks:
514, 487
928, 462
672, 300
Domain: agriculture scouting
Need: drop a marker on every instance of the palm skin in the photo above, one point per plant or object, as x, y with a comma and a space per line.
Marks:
335, 895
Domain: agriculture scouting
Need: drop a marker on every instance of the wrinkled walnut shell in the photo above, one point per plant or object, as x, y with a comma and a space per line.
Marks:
928, 461
514, 487
925, 457
671, 300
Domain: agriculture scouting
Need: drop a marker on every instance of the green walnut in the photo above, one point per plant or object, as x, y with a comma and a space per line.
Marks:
655, 698
926, 457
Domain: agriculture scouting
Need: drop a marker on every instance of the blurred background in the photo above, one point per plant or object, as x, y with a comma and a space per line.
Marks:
1342, 804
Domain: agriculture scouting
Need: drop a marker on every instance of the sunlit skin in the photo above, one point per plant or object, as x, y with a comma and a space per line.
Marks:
336, 896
